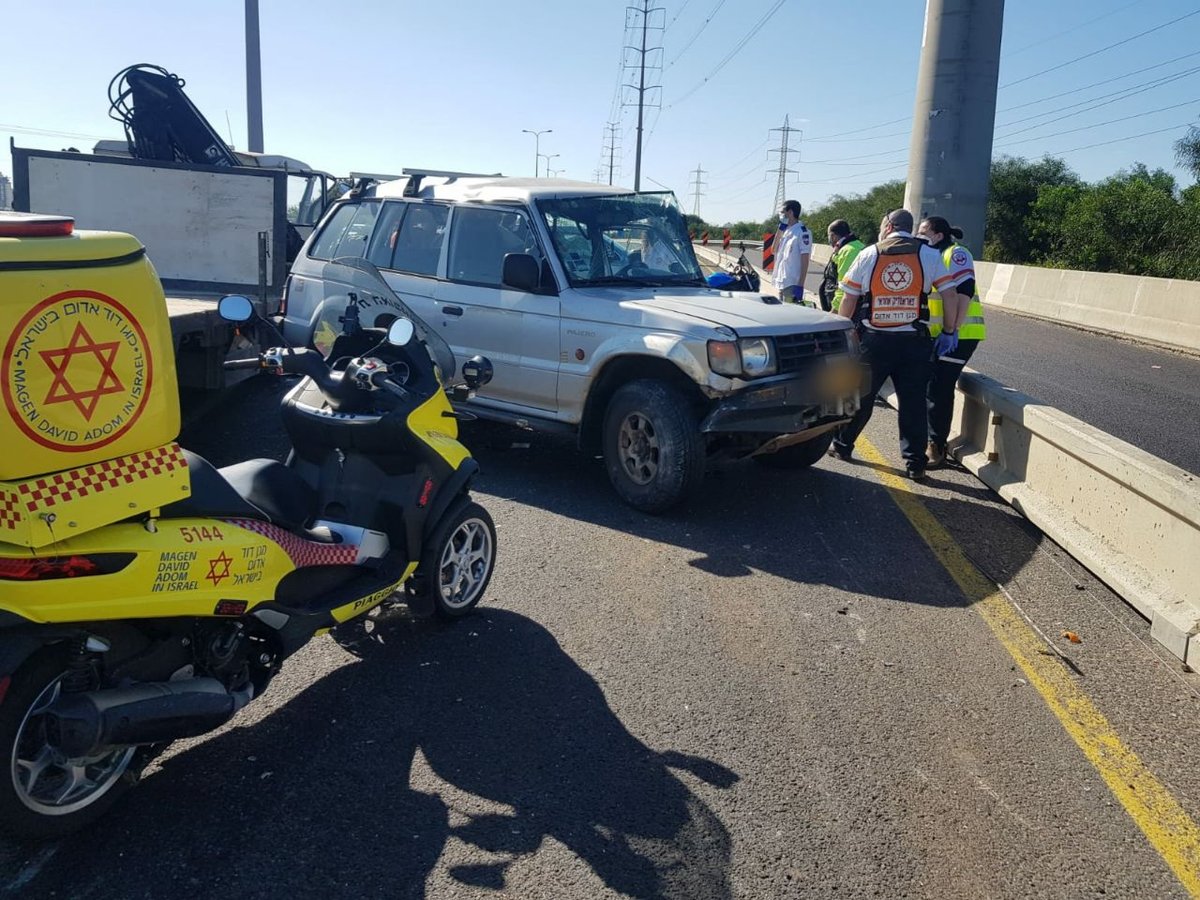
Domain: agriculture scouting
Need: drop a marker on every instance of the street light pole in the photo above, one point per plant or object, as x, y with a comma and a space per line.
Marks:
547, 157
537, 138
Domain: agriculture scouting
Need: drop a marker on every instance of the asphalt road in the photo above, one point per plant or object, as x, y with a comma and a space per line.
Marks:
1138, 393
775, 692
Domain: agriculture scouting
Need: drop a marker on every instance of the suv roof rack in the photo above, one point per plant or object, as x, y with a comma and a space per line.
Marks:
415, 176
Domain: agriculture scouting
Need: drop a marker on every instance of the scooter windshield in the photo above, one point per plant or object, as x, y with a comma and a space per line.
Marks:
365, 279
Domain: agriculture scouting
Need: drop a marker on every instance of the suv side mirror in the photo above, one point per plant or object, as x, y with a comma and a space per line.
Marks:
521, 272
478, 371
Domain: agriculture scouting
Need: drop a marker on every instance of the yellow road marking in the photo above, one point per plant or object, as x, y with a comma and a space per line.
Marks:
1168, 827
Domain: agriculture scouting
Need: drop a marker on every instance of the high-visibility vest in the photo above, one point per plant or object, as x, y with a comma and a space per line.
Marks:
896, 289
972, 327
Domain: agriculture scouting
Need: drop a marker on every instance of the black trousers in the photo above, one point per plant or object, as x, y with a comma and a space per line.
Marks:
940, 396
905, 358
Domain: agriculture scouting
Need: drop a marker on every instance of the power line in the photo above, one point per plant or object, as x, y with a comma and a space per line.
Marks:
1072, 30
1099, 83
1097, 102
833, 138
1069, 62
734, 52
1128, 138
682, 7
720, 3
1149, 112
829, 138
44, 132
738, 164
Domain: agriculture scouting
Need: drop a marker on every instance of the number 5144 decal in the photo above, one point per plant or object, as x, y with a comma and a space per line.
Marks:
193, 534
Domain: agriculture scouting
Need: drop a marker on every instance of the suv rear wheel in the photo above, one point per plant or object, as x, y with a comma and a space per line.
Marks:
653, 448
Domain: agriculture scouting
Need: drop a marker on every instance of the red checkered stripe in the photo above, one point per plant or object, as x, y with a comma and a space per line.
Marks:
10, 510
62, 487
302, 552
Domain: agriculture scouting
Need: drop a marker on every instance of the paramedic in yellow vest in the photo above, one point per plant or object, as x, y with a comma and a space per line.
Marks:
892, 279
793, 251
958, 346
844, 246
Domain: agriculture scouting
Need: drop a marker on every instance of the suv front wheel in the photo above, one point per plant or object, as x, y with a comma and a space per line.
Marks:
653, 448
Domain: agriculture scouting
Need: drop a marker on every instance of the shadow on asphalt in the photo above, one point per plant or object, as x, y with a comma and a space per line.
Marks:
818, 526
496, 709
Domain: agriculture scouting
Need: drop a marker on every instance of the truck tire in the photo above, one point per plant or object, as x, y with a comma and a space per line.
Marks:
652, 444
798, 456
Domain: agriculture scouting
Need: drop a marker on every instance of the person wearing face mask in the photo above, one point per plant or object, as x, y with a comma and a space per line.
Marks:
953, 346
845, 246
893, 279
793, 250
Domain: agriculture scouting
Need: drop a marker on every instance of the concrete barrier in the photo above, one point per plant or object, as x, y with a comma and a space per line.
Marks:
1130, 518
1159, 310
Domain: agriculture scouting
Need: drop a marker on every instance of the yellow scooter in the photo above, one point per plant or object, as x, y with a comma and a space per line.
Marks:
130, 618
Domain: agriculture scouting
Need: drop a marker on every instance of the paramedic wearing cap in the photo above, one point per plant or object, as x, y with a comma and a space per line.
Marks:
793, 250
893, 279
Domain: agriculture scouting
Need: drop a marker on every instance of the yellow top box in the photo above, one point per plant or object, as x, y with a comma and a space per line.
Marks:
87, 371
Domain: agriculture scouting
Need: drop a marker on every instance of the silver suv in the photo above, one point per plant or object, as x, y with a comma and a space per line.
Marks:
590, 304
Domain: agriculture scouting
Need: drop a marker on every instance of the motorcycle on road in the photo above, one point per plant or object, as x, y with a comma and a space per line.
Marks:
121, 637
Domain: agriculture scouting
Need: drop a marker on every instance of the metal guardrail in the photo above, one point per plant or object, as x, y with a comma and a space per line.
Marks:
714, 243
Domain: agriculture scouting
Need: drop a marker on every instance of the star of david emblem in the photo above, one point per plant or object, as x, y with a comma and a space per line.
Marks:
64, 389
223, 563
897, 276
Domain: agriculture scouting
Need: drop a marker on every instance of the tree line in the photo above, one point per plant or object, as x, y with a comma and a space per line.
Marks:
1040, 212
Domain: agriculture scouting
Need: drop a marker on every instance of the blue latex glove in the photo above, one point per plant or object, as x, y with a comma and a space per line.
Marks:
945, 343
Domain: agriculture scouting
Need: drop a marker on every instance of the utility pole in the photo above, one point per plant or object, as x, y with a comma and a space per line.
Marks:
784, 159
611, 133
644, 12
254, 120
697, 185
950, 154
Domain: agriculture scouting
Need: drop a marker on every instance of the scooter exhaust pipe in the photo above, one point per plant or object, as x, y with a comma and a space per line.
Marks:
83, 724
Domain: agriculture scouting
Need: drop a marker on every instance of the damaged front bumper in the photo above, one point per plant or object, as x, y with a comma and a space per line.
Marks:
794, 407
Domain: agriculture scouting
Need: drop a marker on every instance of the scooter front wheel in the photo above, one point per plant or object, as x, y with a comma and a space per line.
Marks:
42, 793
458, 560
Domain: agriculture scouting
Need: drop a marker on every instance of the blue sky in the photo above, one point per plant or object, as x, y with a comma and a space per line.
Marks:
368, 85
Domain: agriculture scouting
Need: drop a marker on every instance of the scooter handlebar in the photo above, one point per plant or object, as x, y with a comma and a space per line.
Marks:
255, 363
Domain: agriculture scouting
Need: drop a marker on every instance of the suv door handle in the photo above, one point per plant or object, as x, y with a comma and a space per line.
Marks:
452, 310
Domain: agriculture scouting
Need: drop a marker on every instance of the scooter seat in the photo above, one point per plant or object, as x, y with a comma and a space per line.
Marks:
260, 489
277, 490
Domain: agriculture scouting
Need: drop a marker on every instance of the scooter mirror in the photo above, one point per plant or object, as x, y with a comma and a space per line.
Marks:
400, 332
236, 308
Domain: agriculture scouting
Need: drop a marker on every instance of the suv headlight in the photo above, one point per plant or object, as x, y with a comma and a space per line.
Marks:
748, 357
757, 357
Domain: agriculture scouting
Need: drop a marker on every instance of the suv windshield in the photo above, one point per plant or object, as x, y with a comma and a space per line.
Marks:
636, 239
